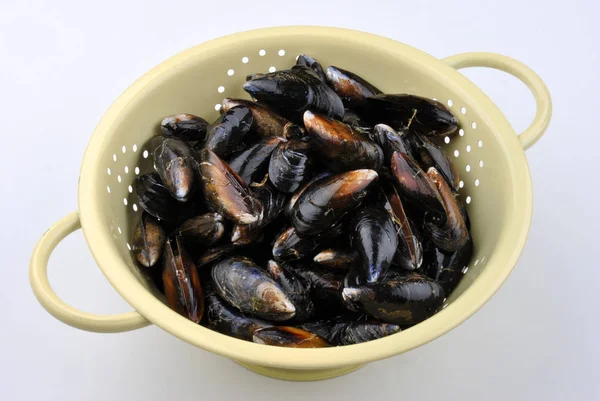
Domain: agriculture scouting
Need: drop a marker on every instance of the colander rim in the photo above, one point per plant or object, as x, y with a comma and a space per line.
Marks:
497, 269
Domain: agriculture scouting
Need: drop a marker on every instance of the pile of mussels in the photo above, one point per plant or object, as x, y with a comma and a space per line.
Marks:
320, 214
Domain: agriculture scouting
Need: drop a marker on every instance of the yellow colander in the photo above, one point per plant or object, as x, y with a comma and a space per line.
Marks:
496, 184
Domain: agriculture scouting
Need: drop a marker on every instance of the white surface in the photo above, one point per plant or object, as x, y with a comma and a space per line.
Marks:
63, 63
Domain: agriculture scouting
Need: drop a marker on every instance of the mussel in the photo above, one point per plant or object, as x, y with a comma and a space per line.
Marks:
287, 336
326, 201
290, 165
447, 267
352, 89
265, 121
181, 281
307, 61
402, 299
414, 184
419, 114
374, 236
325, 289
148, 241
409, 254
184, 126
229, 130
225, 192
341, 144
273, 203
253, 163
205, 229
248, 288
451, 233
431, 155
173, 161
227, 320
296, 287
358, 123
289, 246
216, 253
298, 192
292, 92
155, 198
340, 331
390, 141
337, 259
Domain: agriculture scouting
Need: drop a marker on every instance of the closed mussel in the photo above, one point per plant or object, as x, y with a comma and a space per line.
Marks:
352, 89
296, 287
155, 198
229, 130
187, 127
431, 155
340, 331
173, 161
287, 336
148, 241
307, 61
447, 267
390, 141
265, 121
290, 165
253, 163
338, 259
248, 288
205, 229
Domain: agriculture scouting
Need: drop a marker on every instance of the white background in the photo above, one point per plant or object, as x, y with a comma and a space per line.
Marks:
62, 63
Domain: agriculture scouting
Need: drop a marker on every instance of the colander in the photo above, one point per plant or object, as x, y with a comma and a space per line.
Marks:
496, 184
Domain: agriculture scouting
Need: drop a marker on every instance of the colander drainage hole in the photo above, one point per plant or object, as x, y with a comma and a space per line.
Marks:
463, 110
272, 69
221, 89
230, 72
477, 182
145, 154
218, 106
449, 103
461, 184
135, 208
456, 153
262, 52
128, 246
134, 148
115, 157
447, 139
108, 171
137, 170
468, 200
119, 230
480, 143
480, 163
130, 189
461, 132
281, 52
473, 125
125, 201
468, 168
107, 189
124, 149
245, 60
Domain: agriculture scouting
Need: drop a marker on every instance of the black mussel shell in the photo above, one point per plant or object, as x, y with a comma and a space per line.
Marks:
174, 163
253, 163
287, 336
229, 130
155, 198
352, 89
297, 288
265, 121
148, 241
290, 165
446, 268
307, 61
184, 126
431, 155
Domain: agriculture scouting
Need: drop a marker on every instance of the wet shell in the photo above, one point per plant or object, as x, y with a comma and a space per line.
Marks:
409, 254
374, 236
225, 192
292, 92
352, 89
293, 131
339, 331
253, 163
289, 246
205, 229
248, 288
298, 192
290, 165
414, 184
421, 115
402, 299
187, 127
447, 268
155, 198
307, 61
354, 120
148, 241
287, 336
326, 201
229, 130
452, 233
173, 161
228, 320
215, 253
273, 203
431, 155
265, 121
341, 144
390, 141
295, 286
325, 289
338, 259
181, 282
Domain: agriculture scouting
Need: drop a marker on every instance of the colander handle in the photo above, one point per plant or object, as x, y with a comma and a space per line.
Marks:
38, 276
519, 70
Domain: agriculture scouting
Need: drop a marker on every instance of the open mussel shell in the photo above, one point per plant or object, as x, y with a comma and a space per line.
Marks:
374, 236
451, 232
228, 320
240, 282
229, 130
205, 229
431, 155
409, 254
181, 281
265, 121
297, 288
446, 268
290, 165
253, 163
341, 144
425, 116
148, 241
155, 198
305, 60
225, 192
173, 161
292, 92
187, 127
338, 259
326, 201
287, 336
402, 299
273, 203
352, 89
414, 185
